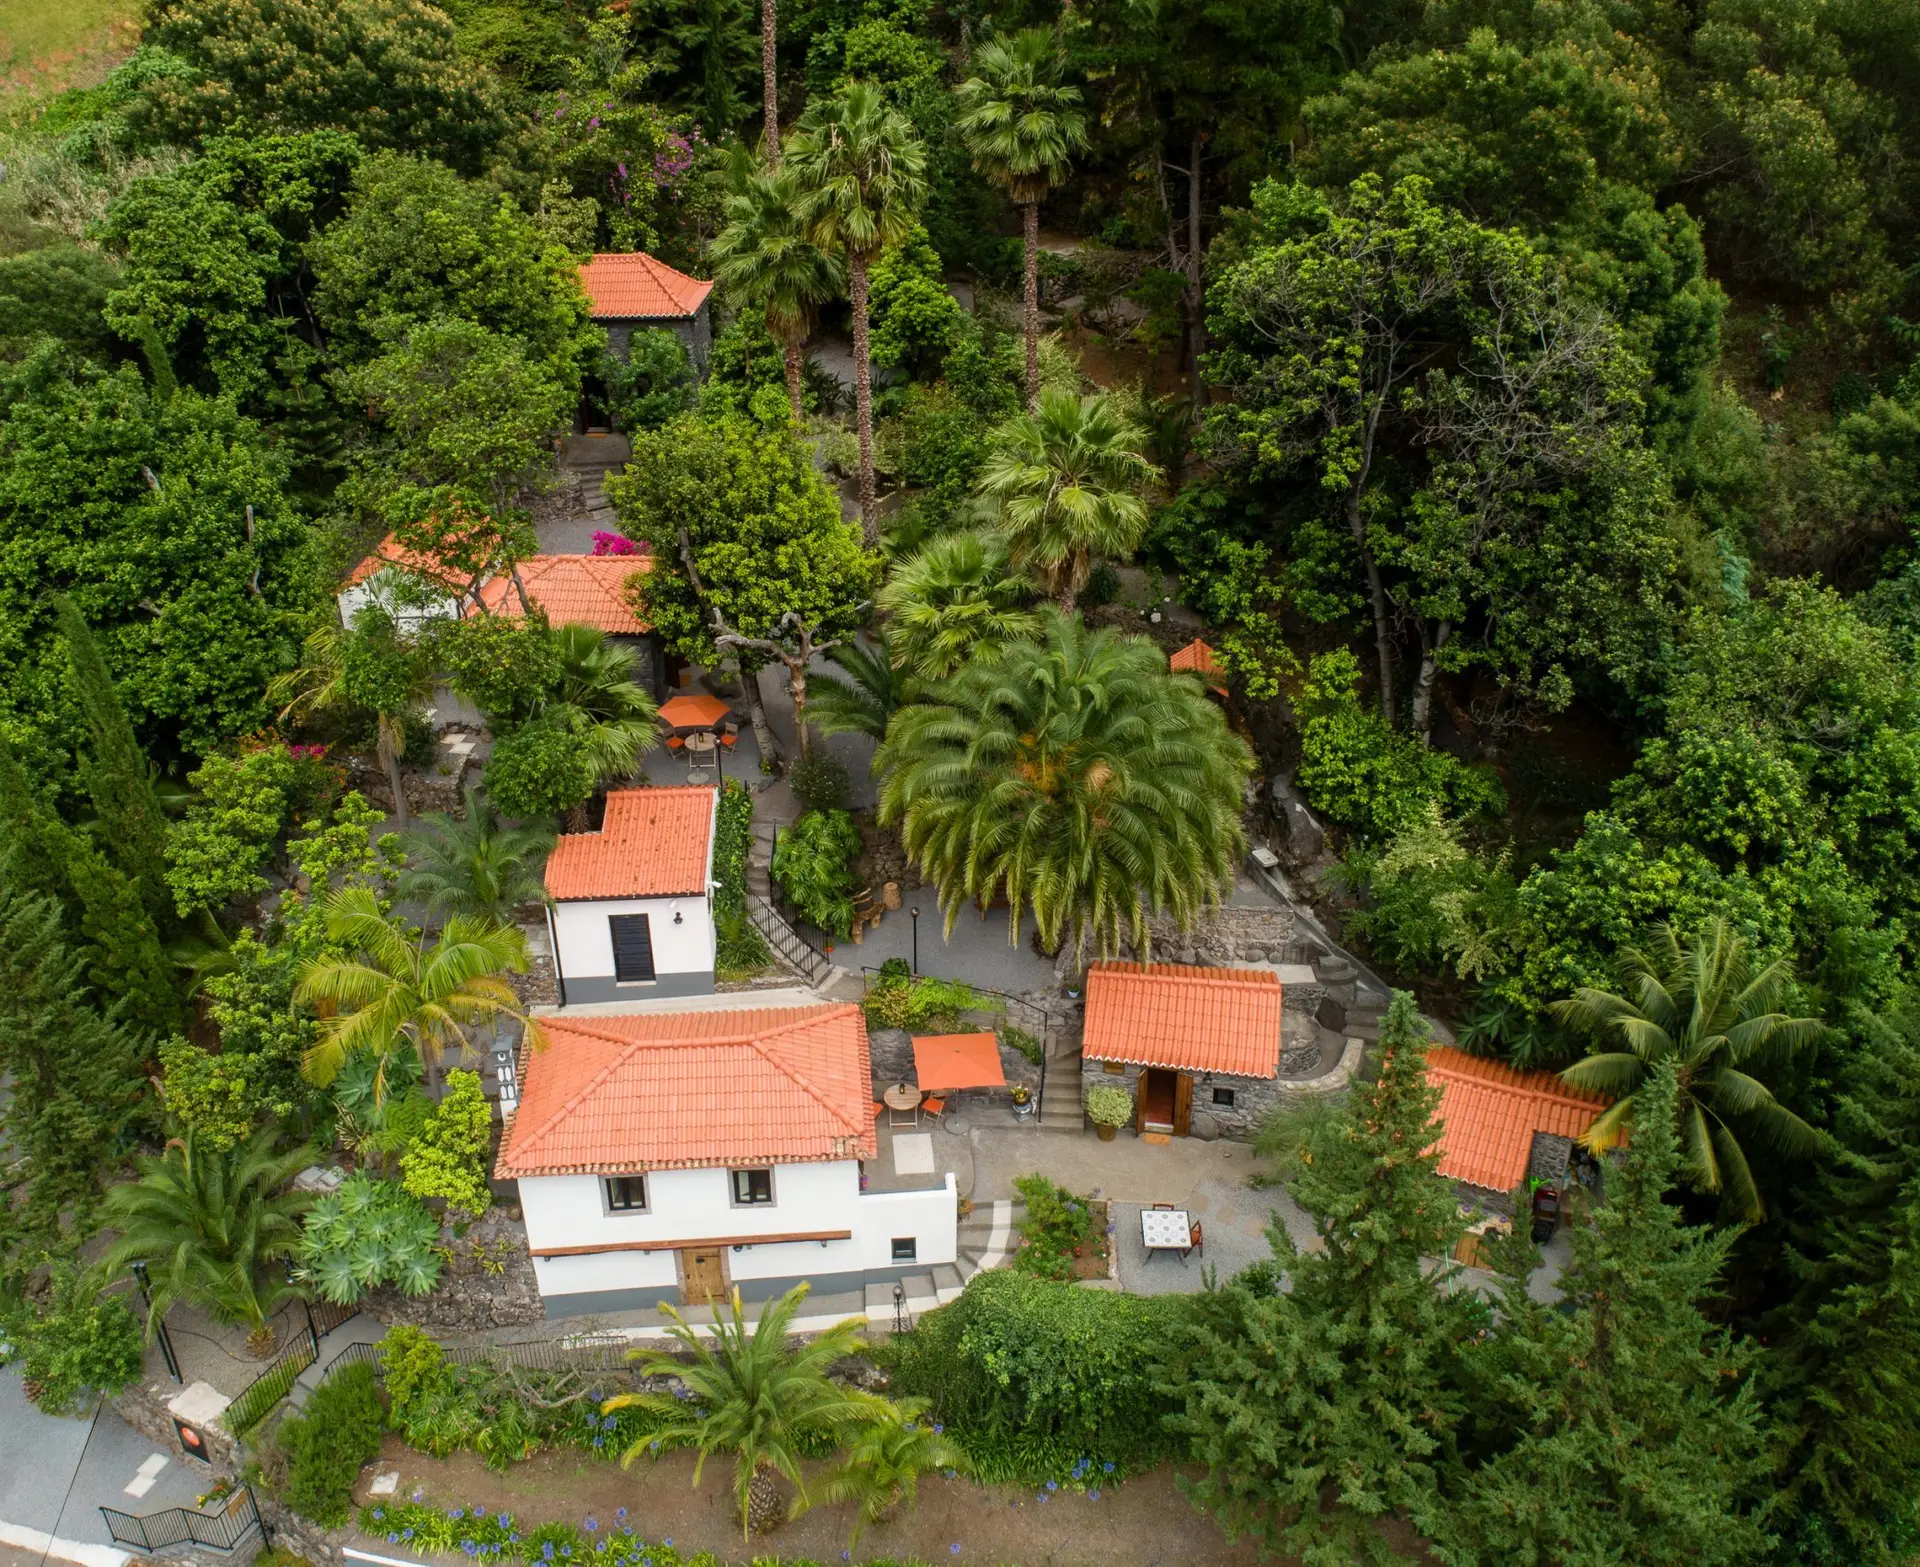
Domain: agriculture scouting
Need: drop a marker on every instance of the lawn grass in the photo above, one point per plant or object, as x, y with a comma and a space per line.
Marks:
49, 45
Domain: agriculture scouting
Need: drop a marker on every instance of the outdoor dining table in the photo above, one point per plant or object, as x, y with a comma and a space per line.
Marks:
1166, 1229
902, 1099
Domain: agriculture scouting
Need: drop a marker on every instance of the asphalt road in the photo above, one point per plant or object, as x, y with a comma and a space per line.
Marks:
55, 1475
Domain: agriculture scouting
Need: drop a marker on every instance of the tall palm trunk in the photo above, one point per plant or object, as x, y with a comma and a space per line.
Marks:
796, 379
1030, 222
385, 742
768, 87
1196, 292
863, 395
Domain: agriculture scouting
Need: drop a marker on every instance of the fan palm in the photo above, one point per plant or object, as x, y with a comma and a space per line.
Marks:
861, 175
952, 599
883, 1463
1066, 482
393, 990
864, 701
370, 667
1074, 775
1703, 1007
760, 1396
1020, 122
764, 257
474, 866
214, 1229
600, 678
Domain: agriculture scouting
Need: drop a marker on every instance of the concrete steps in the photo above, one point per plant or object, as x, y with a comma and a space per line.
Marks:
1063, 1109
986, 1236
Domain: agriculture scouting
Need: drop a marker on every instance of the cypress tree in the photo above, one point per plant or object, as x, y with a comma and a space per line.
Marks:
1844, 1368
77, 1080
115, 769
1323, 1409
1621, 1425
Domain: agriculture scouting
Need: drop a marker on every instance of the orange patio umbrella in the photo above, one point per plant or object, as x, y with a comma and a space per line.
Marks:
949, 1061
693, 712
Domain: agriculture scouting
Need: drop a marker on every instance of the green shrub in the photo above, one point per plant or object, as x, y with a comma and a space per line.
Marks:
1108, 1104
448, 1158
1027, 1371
814, 866
740, 951
1057, 1224
820, 783
75, 1348
415, 1369
539, 770
326, 1445
1029, 1045
368, 1233
896, 999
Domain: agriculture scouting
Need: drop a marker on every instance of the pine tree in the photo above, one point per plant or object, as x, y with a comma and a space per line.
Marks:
115, 769
104, 918
1621, 1425
1844, 1371
1323, 1410
76, 1076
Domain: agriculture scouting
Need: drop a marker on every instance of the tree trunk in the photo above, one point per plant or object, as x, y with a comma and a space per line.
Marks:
1376, 595
768, 86
797, 689
796, 381
1423, 684
1196, 295
763, 1503
863, 396
390, 759
1030, 222
757, 716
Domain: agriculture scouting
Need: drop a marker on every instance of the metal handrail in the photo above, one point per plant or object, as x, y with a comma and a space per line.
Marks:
222, 1531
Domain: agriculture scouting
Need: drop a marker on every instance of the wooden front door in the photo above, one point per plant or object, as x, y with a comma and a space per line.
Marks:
703, 1276
1182, 1104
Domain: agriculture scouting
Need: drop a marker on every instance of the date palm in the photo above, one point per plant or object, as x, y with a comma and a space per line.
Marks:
954, 597
474, 865
214, 1228
393, 989
764, 257
1703, 1007
861, 175
883, 1462
1066, 482
1075, 777
759, 1396
1020, 122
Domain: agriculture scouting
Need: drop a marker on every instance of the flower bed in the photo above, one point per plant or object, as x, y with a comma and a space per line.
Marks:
1062, 1236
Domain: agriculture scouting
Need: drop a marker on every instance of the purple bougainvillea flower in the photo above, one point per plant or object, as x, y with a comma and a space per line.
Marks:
594, 123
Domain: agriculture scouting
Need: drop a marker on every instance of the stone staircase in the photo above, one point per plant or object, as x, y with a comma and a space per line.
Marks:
812, 966
1062, 1107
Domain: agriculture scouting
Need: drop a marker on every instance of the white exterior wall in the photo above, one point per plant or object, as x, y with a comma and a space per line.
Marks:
694, 1206
382, 588
585, 939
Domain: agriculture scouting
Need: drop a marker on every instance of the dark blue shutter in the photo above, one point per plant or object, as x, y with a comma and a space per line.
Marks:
632, 947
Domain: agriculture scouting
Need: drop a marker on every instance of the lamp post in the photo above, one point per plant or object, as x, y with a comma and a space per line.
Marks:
900, 1322
914, 912
160, 1327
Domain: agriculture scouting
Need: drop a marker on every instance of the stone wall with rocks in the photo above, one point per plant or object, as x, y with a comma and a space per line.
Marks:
1253, 1097
144, 1407
1223, 937
489, 1283
892, 1050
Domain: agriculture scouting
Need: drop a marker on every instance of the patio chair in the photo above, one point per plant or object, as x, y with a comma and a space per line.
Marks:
933, 1108
675, 743
1199, 1238
878, 1109
730, 734
1164, 1207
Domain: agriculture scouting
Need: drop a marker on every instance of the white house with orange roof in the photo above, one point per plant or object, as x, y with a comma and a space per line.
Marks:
1197, 1048
676, 1154
630, 910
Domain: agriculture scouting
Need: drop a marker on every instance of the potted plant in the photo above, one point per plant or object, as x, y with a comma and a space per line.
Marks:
1109, 1107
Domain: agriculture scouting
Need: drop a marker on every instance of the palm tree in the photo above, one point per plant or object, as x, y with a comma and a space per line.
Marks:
1020, 122
865, 701
372, 666
474, 866
763, 256
954, 597
760, 1396
600, 678
1703, 1007
883, 1463
1074, 775
214, 1229
1066, 480
769, 88
394, 990
861, 174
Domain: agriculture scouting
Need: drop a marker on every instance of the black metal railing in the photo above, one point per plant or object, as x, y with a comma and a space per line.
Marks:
599, 1352
221, 1529
264, 1393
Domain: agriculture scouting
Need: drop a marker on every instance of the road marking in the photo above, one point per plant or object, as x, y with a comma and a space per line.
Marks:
147, 1474
40, 1543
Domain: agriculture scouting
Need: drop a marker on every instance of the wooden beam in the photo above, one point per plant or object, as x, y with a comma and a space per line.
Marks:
686, 1245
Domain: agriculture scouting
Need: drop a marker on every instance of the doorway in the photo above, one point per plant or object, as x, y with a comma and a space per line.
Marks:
703, 1276
1157, 1090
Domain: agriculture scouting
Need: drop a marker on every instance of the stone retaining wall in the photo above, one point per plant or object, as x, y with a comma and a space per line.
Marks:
472, 1295
1224, 937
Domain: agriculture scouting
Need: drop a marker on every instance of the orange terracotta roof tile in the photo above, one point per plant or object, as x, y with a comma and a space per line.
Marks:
388, 554
1189, 1019
1489, 1112
687, 1090
1198, 658
574, 590
634, 287
653, 843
